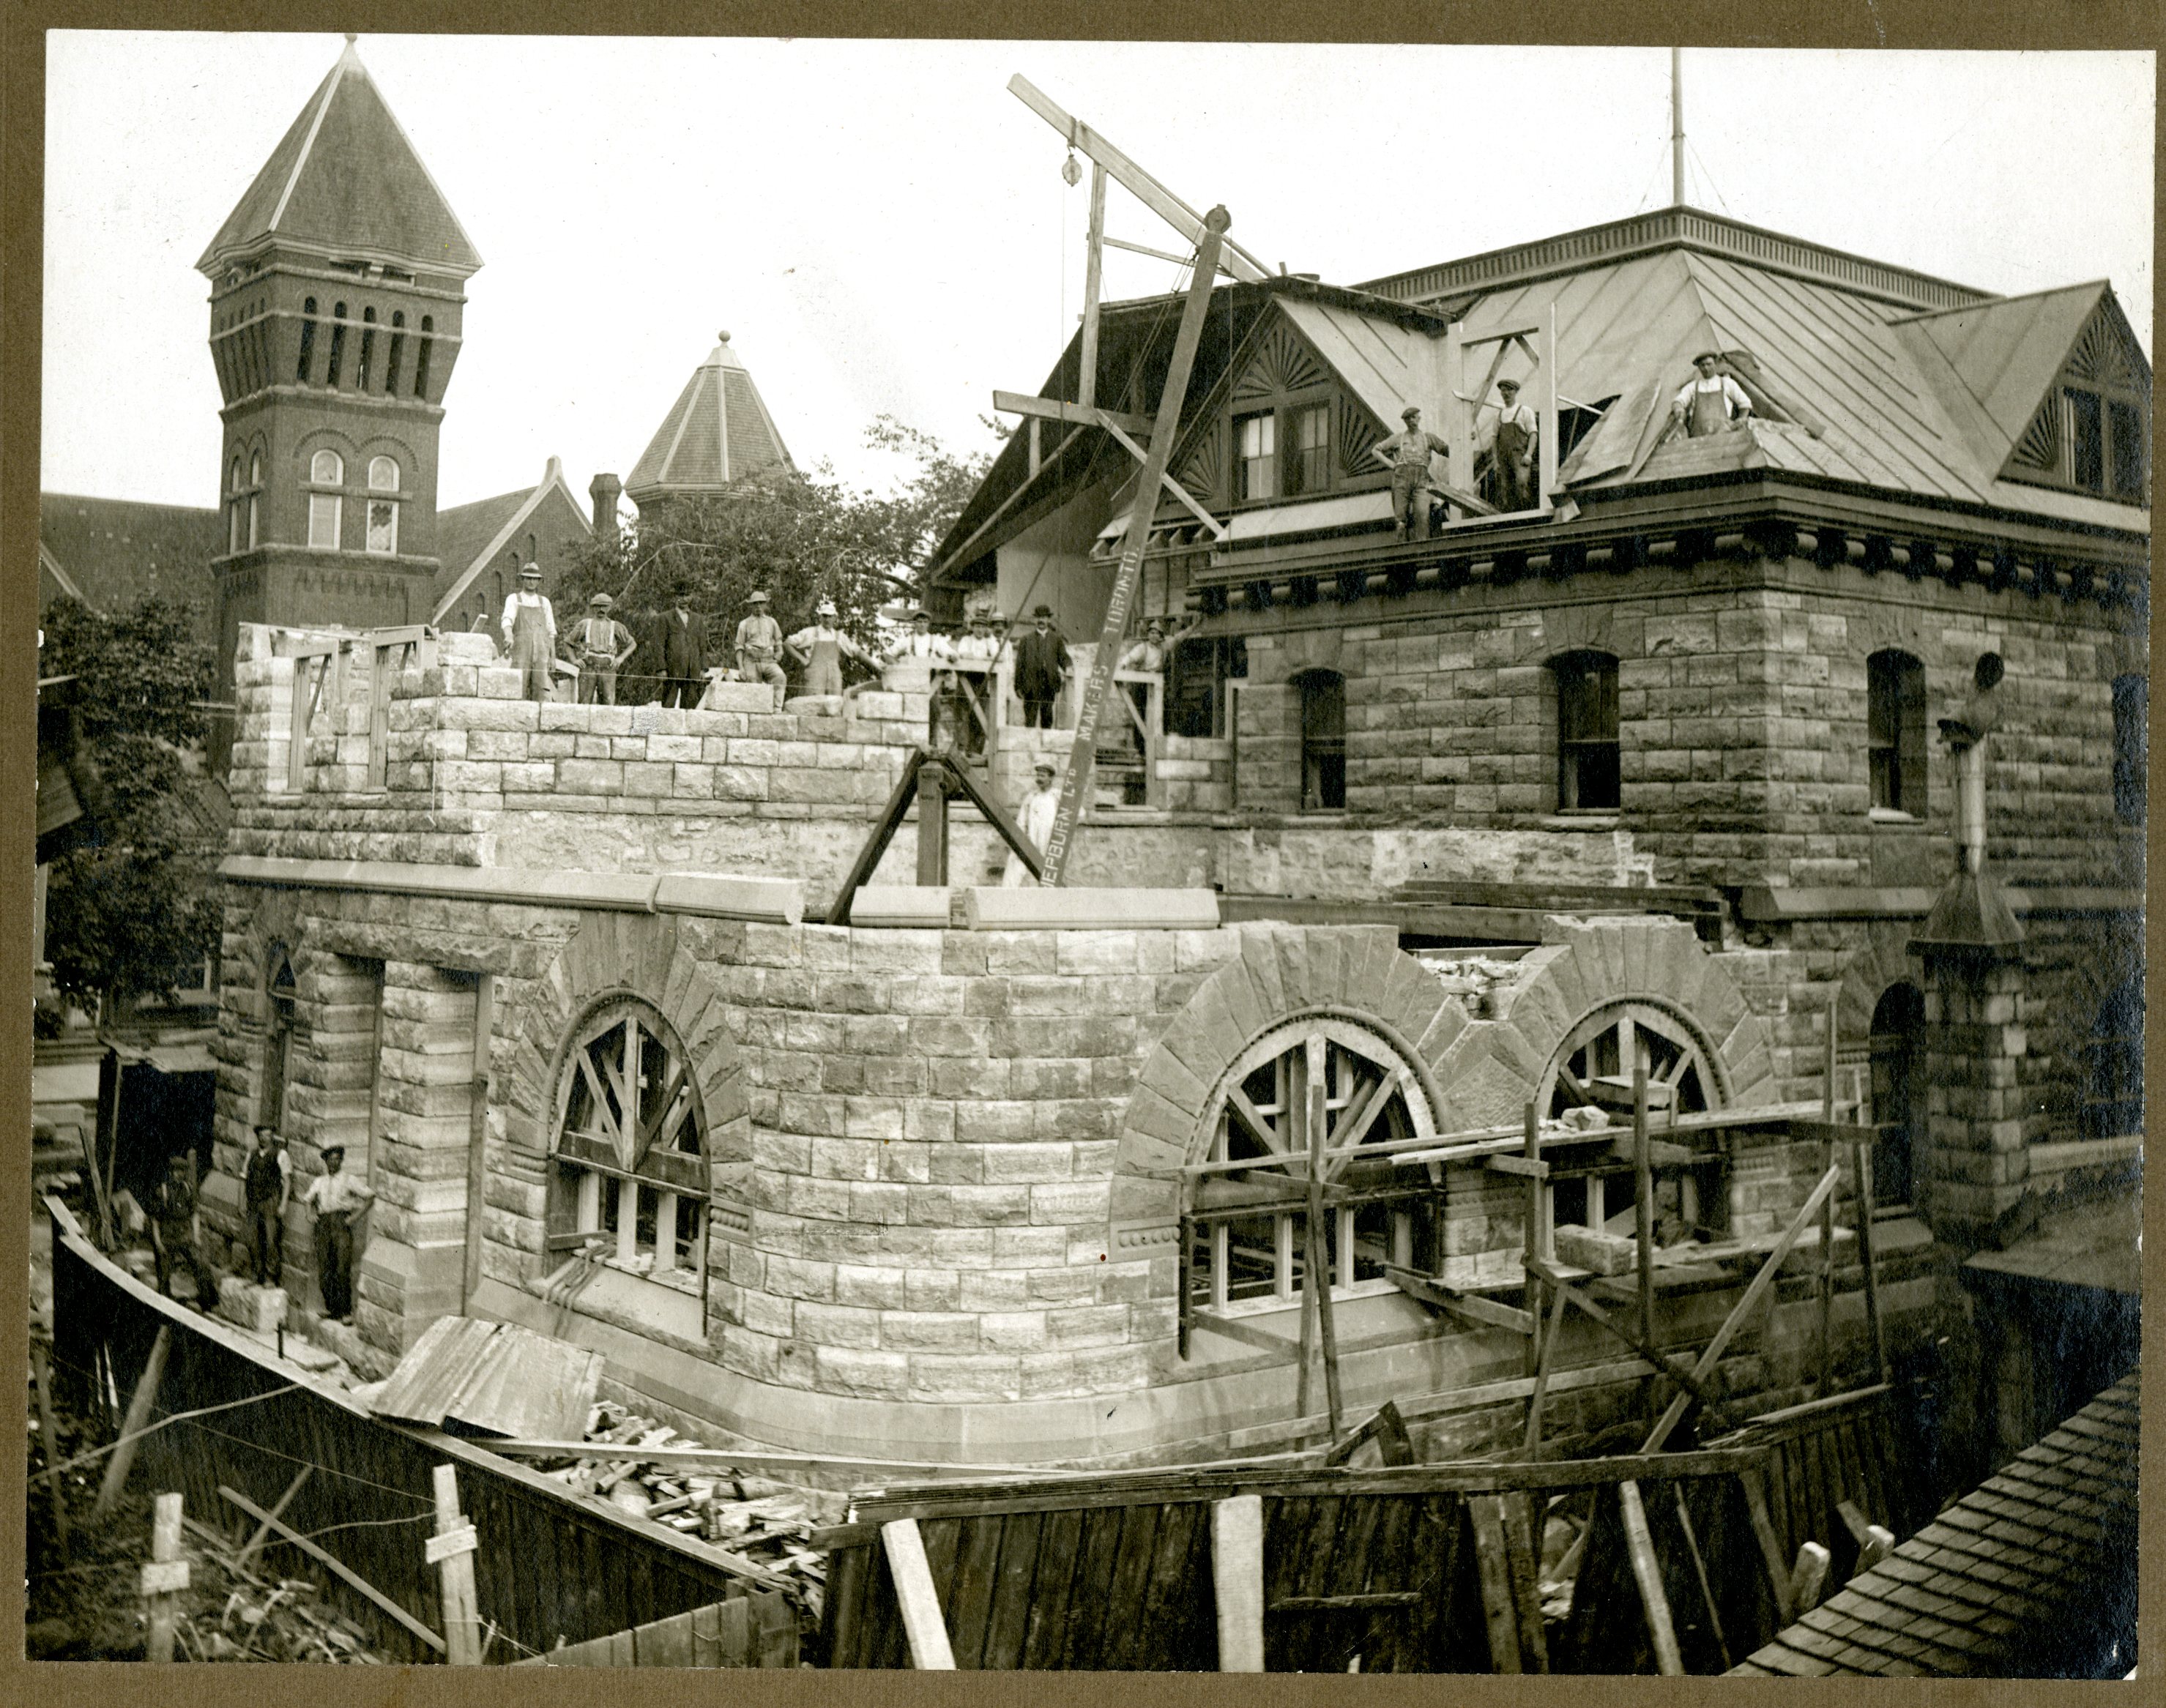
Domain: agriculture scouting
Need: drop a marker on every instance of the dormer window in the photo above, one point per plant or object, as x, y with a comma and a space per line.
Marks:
2091, 434
1255, 454
1308, 450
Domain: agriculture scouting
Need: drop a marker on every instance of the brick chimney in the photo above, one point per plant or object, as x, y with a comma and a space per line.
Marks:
604, 489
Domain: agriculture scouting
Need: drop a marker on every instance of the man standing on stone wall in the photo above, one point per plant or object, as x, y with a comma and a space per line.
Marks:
337, 1197
683, 656
266, 1184
530, 632
759, 646
604, 644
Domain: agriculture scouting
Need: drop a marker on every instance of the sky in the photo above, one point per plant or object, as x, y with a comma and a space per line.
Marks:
883, 229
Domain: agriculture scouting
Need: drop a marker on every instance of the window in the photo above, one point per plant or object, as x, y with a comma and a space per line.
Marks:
1255, 456
630, 1177
2126, 425
398, 349
1895, 732
2113, 1066
1898, 1050
279, 991
308, 342
338, 344
383, 512
1197, 671
1309, 453
233, 519
1589, 778
325, 468
367, 348
1247, 1208
255, 495
1323, 740
2132, 747
421, 358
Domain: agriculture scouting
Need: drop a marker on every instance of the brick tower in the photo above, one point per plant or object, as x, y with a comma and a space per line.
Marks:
337, 284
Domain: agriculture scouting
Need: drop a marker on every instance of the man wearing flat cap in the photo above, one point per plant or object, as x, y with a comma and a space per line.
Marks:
759, 646
1034, 815
602, 644
530, 632
1512, 449
338, 1199
1407, 454
1710, 402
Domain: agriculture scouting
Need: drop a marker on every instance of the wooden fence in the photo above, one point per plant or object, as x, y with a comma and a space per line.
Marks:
550, 1566
756, 1629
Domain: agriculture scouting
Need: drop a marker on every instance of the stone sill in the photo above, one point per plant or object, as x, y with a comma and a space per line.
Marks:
645, 1307
1888, 819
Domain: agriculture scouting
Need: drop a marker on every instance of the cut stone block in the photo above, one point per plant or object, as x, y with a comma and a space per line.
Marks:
900, 904
1088, 909
262, 1309
1585, 1249
738, 696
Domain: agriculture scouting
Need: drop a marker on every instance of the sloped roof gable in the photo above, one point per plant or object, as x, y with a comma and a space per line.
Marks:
718, 431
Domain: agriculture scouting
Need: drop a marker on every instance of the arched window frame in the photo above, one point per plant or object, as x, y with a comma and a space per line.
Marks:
422, 357
326, 500
1321, 707
255, 498
281, 993
367, 348
1895, 735
338, 345
234, 519
381, 535
1589, 756
398, 349
301, 368
616, 1183
1895, 1048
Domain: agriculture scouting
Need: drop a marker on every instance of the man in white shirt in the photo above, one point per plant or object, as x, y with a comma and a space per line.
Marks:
1512, 449
530, 632
604, 644
1710, 402
337, 1197
1408, 454
1034, 817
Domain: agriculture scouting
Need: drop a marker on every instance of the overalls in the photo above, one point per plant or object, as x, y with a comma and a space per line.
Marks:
531, 649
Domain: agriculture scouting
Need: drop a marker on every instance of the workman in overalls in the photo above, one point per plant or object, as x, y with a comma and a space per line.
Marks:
337, 1197
530, 632
759, 646
1710, 402
266, 1184
604, 644
1512, 449
175, 1228
1408, 454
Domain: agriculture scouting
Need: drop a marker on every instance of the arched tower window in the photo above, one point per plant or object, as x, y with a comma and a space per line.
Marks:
1897, 1047
421, 358
1246, 1202
1589, 774
338, 344
382, 505
326, 470
367, 348
255, 496
1323, 740
308, 342
398, 349
629, 1180
1895, 732
234, 520
279, 994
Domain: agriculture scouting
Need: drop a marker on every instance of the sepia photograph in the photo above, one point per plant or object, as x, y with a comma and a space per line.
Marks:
1089, 856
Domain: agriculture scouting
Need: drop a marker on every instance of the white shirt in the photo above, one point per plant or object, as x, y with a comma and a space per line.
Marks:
1733, 394
511, 605
1520, 415
1034, 817
1144, 655
335, 1191
914, 644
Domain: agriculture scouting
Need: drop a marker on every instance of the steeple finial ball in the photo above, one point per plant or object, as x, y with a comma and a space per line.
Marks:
351, 38
722, 337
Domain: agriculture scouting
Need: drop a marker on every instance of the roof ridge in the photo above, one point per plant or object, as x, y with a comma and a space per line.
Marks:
1999, 302
325, 90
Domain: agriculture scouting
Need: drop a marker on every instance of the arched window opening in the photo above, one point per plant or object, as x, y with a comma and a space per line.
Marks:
1589, 771
255, 496
398, 349
234, 521
279, 994
367, 348
382, 511
421, 358
326, 468
1895, 732
1323, 740
338, 344
1589, 1085
2131, 748
629, 1184
1246, 1199
2113, 1066
308, 342
1897, 1047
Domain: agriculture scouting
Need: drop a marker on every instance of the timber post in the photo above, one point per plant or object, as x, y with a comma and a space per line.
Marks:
452, 1550
164, 1575
131, 1425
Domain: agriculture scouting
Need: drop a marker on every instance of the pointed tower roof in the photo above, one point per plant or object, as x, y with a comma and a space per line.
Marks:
345, 180
718, 431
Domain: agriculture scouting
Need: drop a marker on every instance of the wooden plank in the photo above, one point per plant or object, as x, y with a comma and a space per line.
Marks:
927, 1631
733, 1631
1330, 1604
1131, 1579
968, 1600
1074, 414
164, 1578
1169, 1595
1647, 1574
706, 1631
54, 1488
1522, 1561
1810, 1577
1059, 1541
1090, 1595
462, 1622
843, 1608
1754, 1485
345, 1573
133, 1425
1499, 1613
775, 1621
1005, 1620
1472, 1307
1699, 1572
665, 1642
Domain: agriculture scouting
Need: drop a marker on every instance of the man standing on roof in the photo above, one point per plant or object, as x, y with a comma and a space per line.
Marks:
1407, 454
1710, 402
530, 632
759, 645
603, 645
1512, 449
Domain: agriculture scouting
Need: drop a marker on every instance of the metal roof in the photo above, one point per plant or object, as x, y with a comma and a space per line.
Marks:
498, 1376
717, 432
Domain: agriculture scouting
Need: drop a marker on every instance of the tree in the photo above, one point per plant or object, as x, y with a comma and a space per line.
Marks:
802, 538
131, 912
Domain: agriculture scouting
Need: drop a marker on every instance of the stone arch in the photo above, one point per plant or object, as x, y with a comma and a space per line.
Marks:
1497, 1065
1882, 959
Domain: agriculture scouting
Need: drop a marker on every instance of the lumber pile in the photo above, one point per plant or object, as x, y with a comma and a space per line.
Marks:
767, 1523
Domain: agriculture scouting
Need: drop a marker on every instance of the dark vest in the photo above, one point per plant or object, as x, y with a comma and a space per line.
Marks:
263, 1179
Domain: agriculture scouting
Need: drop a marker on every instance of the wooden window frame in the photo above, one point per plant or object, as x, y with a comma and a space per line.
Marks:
1896, 775
1590, 754
1322, 758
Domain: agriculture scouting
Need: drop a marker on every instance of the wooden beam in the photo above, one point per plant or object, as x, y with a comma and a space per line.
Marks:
451, 1551
1809, 1579
1543, 1362
1237, 1575
1499, 1613
132, 1425
1699, 1571
1094, 266
54, 1486
1074, 415
1471, 1306
1166, 481
1754, 1482
262, 1531
1647, 1574
164, 1577
923, 1622
1643, 1206
1162, 254
345, 1572
1139, 183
